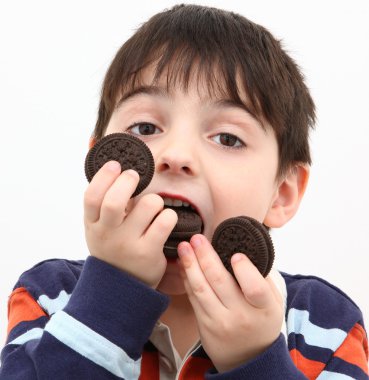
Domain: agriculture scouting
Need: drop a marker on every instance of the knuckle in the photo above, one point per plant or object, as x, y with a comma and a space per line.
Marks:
199, 289
90, 200
255, 292
99, 235
217, 279
223, 328
245, 324
110, 206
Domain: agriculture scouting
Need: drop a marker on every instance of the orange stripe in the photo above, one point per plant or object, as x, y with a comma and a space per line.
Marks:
354, 349
149, 366
310, 368
22, 307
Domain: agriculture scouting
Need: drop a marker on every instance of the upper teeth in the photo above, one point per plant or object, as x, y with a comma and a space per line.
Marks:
175, 202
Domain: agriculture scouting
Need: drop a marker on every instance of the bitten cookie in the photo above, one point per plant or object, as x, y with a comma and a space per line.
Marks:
128, 150
246, 235
189, 223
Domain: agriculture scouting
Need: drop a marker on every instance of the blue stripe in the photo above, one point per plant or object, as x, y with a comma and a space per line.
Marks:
93, 346
345, 368
326, 375
298, 323
318, 354
32, 334
25, 326
52, 305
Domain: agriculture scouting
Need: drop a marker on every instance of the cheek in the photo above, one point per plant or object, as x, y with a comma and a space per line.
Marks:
242, 193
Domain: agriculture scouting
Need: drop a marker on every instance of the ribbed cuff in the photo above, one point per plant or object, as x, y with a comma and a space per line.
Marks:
275, 363
116, 305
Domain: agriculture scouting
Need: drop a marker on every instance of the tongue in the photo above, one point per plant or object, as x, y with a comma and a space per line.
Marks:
189, 223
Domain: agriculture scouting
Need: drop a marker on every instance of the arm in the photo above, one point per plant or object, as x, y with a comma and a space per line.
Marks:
114, 305
240, 323
96, 335
351, 357
326, 334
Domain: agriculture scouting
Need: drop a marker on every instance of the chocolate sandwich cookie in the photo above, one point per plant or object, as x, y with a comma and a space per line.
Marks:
268, 241
128, 150
189, 223
246, 235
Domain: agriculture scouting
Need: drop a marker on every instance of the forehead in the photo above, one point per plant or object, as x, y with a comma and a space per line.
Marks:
209, 85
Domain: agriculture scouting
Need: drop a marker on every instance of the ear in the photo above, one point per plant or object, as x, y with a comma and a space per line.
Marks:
91, 142
288, 196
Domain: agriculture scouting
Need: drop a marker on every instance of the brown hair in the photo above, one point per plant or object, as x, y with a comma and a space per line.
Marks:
189, 40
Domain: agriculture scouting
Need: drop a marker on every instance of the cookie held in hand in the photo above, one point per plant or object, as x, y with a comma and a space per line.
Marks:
128, 150
245, 235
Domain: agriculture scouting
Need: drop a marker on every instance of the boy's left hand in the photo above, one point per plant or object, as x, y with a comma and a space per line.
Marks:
237, 322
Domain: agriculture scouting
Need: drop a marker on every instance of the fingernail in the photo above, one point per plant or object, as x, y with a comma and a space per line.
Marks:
182, 250
113, 165
196, 241
237, 257
132, 173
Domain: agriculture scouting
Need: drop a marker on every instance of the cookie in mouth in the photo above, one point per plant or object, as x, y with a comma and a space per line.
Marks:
189, 223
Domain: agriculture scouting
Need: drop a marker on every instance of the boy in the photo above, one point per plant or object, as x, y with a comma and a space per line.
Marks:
226, 115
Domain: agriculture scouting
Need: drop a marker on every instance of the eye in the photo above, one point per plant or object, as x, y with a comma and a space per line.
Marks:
143, 129
228, 140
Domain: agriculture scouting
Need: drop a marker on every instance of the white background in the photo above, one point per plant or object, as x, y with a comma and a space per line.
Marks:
52, 61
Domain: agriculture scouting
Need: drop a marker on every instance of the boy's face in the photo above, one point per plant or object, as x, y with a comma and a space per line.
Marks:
208, 152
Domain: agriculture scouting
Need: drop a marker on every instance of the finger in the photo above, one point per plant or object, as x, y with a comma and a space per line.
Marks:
275, 289
216, 274
97, 188
160, 229
199, 289
253, 285
196, 305
116, 198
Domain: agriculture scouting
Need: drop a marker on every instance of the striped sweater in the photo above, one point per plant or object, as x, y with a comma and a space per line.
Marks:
87, 320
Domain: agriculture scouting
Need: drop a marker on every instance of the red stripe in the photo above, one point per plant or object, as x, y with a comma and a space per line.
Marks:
195, 368
22, 307
310, 368
354, 349
150, 366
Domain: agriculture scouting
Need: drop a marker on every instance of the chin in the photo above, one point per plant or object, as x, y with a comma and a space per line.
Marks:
172, 284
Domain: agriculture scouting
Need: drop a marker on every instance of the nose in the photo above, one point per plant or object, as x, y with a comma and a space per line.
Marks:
177, 157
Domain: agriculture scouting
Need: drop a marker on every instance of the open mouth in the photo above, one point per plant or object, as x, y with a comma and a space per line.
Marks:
189, 223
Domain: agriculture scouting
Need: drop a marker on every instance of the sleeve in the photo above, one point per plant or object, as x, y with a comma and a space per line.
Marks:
99, 334
326, 338
348, 362
326, 334
351, 357
275, 363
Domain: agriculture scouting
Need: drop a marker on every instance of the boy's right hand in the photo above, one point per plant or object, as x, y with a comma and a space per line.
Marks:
130, 241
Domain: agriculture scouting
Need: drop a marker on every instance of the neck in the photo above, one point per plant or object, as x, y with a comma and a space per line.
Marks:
181, 320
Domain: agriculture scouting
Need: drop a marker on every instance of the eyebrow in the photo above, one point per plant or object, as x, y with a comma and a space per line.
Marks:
230, 103
163, 93
143, 90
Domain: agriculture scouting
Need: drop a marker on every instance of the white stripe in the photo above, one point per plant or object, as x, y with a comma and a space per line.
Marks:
32, 334
326, 375
298, 323
52, 305
93, 346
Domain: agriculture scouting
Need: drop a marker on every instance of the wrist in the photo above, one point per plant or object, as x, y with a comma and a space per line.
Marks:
116, 305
